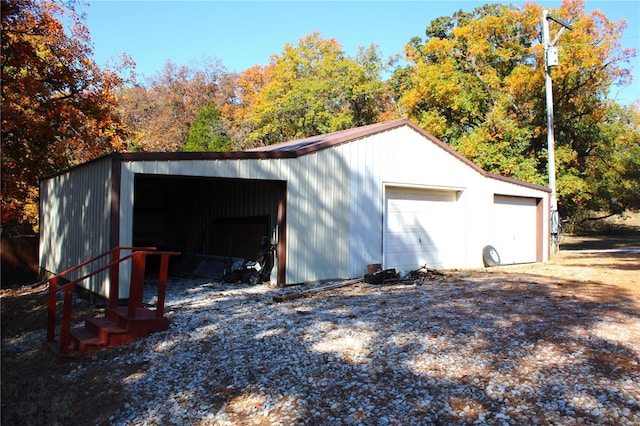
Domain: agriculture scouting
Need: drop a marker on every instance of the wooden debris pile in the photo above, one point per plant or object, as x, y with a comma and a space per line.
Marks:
382, 276
391, 276
424, 274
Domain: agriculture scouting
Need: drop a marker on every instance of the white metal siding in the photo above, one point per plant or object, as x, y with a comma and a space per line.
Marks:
515, 229
317, 217
74, 221
365, 202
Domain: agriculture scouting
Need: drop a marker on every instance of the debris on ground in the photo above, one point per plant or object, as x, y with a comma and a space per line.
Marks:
391, 276
382, 276
423, 274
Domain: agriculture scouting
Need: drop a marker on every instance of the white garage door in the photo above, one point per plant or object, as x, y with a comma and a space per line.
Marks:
515, 229
422, 227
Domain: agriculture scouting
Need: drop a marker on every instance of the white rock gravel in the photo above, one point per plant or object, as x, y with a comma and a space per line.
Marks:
452, 351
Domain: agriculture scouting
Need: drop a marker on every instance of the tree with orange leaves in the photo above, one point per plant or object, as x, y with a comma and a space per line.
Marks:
161, 112
58, 106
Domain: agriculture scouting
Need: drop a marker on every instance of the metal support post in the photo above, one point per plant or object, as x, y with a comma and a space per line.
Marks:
550, 59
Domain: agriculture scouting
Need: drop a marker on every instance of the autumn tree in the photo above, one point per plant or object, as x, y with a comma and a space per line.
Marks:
58, 106
160, 112
477, 82
310, 89
237, 95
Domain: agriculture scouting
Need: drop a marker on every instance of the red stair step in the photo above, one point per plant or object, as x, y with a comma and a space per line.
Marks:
112, 333
86, 341
103, 327
115, 329
144, 323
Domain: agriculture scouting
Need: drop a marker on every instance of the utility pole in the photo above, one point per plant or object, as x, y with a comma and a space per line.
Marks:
551, 60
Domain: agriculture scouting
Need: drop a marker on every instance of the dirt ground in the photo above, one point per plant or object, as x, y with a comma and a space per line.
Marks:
597, 272
36, 388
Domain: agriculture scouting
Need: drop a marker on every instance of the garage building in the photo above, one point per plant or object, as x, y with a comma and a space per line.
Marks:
387, 193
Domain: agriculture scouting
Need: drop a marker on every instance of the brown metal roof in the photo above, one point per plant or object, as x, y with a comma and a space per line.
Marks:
316, 143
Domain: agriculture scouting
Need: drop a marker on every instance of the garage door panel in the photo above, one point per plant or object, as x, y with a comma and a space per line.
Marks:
418, 228
398, 221
413, 257
515, 229
408, 242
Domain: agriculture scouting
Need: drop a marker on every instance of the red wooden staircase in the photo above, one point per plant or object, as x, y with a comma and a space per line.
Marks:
120, 324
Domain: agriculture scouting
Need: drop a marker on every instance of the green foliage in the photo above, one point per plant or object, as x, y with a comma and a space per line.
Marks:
313, 89
613, 168
207, 132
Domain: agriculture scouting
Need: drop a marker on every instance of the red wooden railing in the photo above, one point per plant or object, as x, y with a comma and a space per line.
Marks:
136, 290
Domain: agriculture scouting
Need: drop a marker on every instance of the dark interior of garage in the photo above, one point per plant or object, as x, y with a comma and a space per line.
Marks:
205, 218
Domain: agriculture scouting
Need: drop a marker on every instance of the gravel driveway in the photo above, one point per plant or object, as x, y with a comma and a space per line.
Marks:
473, 348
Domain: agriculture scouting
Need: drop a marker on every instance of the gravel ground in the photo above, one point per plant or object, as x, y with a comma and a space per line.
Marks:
460, 350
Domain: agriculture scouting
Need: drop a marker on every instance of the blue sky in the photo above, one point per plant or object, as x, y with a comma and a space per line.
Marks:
245, 33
